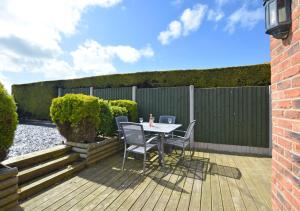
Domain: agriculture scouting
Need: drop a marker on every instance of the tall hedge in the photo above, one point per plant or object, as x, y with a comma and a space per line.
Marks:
33, 100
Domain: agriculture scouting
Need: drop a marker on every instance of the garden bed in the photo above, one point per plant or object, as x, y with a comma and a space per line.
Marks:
8, 187
93, 152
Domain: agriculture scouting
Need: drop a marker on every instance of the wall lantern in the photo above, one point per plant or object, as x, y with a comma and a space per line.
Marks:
278, 18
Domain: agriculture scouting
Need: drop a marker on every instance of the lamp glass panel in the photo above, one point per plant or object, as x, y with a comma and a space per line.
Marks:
281, 5
273, 13
267, 16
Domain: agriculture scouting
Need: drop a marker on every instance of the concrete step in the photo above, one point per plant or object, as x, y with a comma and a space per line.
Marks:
41, 183
31, 159
41, 169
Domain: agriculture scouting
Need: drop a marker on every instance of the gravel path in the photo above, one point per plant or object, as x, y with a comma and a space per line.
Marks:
31, 138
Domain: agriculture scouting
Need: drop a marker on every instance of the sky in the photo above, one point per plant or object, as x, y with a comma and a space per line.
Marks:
61, 39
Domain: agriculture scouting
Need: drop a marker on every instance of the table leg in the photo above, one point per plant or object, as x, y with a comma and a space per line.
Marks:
161, 150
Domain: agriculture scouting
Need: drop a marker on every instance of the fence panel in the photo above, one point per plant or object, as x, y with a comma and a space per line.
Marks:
164, 101
79, 90
235, 116
114, 93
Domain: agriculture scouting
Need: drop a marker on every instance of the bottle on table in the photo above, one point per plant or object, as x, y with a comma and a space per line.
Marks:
150, 120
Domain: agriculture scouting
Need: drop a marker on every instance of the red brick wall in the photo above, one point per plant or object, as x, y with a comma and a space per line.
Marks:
285, 66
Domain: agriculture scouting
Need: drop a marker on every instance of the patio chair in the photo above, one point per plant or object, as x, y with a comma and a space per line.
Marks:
120, 119
134, 137
182, 141
164, 119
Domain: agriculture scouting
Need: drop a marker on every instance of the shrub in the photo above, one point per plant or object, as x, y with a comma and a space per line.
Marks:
131, 107
106, 118
77, 117
8, 121
118, 111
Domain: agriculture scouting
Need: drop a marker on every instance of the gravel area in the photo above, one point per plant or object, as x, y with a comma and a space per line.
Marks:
31, 138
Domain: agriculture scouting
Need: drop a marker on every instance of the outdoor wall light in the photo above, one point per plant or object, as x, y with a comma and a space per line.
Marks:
278, 18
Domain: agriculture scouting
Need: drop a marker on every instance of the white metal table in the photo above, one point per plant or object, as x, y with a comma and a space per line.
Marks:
161, 129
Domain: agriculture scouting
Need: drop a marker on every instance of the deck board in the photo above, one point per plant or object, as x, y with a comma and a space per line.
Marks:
210, 181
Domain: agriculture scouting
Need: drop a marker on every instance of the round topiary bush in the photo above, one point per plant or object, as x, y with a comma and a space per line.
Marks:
76, 116
106, 118
8, 122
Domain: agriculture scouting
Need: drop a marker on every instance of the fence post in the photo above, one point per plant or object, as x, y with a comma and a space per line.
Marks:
192, 117
134, 93
270, 120
59, 92
91, 91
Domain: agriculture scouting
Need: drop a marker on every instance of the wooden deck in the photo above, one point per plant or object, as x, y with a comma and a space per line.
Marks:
209, 181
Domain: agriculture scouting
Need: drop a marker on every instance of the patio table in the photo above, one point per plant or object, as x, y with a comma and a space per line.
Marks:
161, 129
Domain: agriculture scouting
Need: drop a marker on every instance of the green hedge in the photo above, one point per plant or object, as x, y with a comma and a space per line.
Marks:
33, 100
8, 121
130, 106
76, 116
106, 118
118, 111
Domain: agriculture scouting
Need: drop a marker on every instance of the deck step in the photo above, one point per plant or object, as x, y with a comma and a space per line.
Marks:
34, 158
33, 172
39, 184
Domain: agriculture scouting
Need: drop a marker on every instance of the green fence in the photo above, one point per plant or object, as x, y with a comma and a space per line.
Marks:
114, 93
232, 116
164, 101
235, 116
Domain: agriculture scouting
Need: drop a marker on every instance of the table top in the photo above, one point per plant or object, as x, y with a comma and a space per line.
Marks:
160, 127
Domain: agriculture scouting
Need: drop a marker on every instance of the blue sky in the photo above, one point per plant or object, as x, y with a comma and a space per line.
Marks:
59, 39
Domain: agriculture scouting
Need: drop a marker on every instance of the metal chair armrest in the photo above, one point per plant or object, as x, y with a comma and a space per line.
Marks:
181, 131
151, 139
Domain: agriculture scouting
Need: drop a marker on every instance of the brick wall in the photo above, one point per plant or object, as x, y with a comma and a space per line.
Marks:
285, 66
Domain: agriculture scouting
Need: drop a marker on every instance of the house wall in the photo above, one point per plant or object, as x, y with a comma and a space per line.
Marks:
285, 80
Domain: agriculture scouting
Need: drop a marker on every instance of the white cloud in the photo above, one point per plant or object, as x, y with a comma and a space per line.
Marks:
32, 30
192, 18
244, 18
5, 82
173, 32
93, 57
215, 15
42, 23
57, 69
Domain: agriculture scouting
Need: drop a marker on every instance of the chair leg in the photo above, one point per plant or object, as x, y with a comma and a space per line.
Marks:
192, 153
124, 158
183, 153
144, 163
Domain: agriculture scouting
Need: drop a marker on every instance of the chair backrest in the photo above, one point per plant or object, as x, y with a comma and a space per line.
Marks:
121, 119
164, 119
190, 129
133, 133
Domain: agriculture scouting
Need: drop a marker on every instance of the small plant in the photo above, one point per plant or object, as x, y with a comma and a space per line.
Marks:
8, 122
131, 107
106, 118
76, 116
